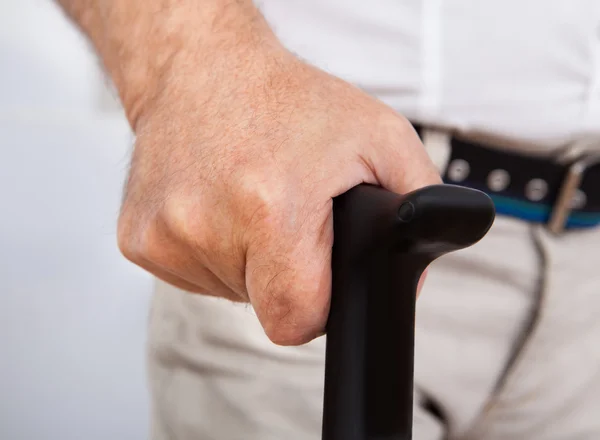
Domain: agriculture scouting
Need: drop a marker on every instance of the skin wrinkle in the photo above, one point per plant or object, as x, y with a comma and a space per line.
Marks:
273, 301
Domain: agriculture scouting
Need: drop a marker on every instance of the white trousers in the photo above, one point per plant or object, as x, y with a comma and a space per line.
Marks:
215, 376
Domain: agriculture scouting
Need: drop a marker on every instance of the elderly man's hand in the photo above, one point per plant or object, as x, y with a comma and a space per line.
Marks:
232, 180
240, 149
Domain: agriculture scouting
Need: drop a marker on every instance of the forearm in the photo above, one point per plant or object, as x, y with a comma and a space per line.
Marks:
141, 42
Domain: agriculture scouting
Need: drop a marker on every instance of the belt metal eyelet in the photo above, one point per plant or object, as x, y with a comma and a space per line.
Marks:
570, 186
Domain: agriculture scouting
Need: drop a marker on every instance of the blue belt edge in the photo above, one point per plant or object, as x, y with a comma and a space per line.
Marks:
533, 212
541, 213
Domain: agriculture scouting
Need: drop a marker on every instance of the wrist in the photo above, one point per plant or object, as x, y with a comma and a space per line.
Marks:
183, 46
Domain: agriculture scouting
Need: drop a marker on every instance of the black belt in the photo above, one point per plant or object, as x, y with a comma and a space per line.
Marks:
535, 189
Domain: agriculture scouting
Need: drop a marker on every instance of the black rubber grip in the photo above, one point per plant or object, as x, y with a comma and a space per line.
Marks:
382, 243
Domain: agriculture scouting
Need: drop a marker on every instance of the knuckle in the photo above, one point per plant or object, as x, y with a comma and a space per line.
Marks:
262, 196
394, 126
127, 237
138, 239
278, 308
279, 326
286, 338
180, 216
287, 324
290, 317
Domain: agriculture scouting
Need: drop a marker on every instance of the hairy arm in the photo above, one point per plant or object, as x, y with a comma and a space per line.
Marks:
141, 42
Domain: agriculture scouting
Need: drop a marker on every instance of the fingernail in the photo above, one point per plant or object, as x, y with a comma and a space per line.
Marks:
421, 281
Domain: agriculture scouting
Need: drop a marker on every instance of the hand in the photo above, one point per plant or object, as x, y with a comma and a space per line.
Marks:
233, 174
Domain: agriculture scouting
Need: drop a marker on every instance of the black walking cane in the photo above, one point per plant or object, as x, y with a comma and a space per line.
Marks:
382, 244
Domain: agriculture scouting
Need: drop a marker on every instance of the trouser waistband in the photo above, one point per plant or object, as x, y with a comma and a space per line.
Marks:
561, 194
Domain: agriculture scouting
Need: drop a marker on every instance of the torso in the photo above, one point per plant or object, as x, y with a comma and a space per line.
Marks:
524, 69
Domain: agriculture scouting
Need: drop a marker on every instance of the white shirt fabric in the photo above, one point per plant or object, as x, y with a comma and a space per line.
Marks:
521, 69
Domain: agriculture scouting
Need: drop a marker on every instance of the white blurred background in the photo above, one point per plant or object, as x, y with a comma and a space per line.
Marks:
72, 310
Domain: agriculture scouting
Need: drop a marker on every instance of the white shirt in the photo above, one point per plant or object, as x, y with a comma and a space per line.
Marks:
524, 69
